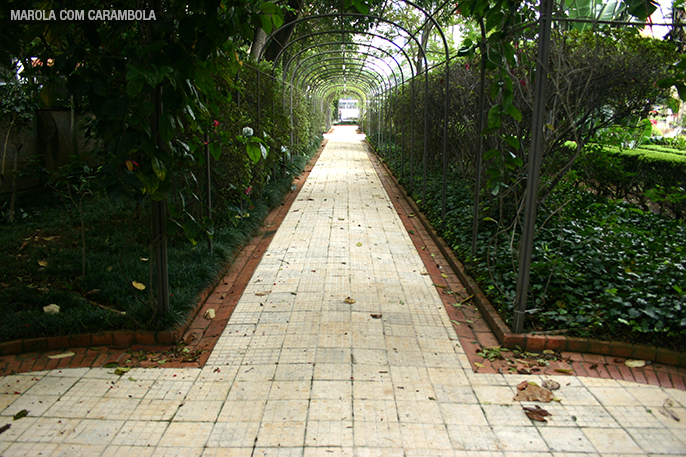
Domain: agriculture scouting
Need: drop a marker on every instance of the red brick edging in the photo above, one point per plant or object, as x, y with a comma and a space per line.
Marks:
247, 259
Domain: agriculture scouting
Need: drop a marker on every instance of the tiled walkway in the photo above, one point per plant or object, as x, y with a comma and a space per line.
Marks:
339, 346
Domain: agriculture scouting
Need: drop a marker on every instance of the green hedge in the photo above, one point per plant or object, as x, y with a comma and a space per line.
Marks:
660, 148
636, 175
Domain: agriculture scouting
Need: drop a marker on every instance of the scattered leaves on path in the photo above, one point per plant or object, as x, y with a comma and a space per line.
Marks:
551, 384
536, 413
534, 393
665, 411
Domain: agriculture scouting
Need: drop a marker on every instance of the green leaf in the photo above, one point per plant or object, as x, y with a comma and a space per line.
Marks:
491, 154
215, 150
159, 169
254, 152
361, 6
515, 113
494, 117
134, 86
167, 127
512, 141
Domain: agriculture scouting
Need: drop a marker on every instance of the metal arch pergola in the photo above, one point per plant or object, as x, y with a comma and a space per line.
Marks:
361, 81
412, 37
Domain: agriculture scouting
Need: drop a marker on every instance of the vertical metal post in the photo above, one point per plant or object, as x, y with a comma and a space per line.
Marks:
208, 183
480, 141
445, 139
534, 169
159, 223
259, 102
426, 131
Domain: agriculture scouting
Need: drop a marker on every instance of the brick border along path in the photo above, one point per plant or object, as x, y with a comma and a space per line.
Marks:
201, 334
339, 346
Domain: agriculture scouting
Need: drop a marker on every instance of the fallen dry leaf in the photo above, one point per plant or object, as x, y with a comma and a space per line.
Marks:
551, 384
349, 300
522, 385
536, 413
43, 263
51, 309
209, 314
564, 370
665, 411
262, 294
138, 285
63, 355
633, 363
121, 370
21, 414
534, 393
376, 316
4, 428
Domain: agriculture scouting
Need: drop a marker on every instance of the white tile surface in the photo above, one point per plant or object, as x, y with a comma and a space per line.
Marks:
300, 372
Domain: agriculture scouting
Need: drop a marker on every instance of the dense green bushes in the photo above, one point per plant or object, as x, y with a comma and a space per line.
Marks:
597, 82
600, 268
98, 216
638, 175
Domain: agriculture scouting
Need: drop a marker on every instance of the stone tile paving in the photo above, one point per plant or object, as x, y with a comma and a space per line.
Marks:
339, 346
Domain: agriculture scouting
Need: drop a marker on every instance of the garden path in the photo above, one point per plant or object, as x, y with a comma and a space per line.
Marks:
339, 346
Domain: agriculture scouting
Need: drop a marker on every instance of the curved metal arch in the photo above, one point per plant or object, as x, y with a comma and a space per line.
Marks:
375, 35
350, 60
368, 85
371, 75
287, 65
320, 16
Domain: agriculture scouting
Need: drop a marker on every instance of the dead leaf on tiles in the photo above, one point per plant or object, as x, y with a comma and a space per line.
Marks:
21, 414
534, 393
477, 364
665, 411
633, 363
209, 314
536, 413
522, 385
564, 370
63, 355
358, 244
551, 384
424, 273
4, 428
376, 316
121, 370
445, 276
349, 300
262, 294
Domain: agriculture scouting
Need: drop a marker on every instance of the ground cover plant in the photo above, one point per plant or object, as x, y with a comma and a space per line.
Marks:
601, 268
42, 261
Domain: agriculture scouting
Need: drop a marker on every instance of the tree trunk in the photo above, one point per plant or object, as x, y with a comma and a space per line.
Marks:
280, 39
258, 43
426, 33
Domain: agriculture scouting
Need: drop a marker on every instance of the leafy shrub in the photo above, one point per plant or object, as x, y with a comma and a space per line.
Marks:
639, 175
600, 268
